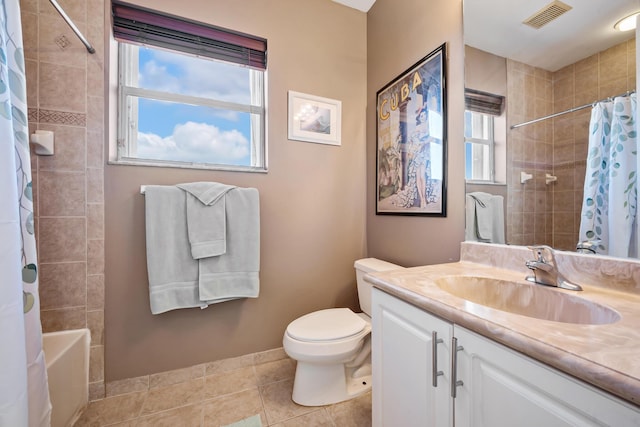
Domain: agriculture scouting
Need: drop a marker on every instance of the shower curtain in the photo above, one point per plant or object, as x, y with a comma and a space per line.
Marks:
24, 396
610, 185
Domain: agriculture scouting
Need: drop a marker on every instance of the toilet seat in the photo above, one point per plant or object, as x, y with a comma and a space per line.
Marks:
326, 325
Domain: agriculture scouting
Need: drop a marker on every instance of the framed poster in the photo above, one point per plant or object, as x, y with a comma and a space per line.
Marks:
314, 119
411, 140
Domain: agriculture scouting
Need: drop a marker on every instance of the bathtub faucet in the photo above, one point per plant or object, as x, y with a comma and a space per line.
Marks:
545, 269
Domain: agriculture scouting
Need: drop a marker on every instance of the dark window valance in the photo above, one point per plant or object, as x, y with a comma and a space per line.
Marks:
144, 26
483, 102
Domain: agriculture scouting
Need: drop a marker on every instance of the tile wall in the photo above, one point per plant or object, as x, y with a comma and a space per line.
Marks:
65, 86
550, 214
529, 205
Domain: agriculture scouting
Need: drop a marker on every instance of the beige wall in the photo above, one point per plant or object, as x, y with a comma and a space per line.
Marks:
398, 35
312, 199
66, 95
486, 72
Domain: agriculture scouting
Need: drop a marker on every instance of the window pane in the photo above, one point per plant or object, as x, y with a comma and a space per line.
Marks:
189, 133
478, 162
188, 75
476, 125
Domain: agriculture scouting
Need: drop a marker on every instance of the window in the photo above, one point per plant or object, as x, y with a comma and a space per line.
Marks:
478, 138
481, 108
190, 94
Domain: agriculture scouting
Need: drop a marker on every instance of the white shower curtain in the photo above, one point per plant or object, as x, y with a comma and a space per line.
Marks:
610, 185
24, 396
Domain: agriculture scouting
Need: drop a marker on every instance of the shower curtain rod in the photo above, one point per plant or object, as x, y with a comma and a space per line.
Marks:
571, 110
75, 29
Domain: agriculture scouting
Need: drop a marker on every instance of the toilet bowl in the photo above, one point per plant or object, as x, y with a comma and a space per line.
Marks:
332, 347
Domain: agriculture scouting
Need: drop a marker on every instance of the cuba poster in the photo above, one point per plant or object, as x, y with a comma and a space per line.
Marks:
411, 140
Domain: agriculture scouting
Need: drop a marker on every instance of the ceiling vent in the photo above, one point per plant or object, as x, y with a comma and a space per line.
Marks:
547, 14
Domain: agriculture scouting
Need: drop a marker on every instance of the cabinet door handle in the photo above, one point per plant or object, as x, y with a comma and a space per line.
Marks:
455, 383
434, 358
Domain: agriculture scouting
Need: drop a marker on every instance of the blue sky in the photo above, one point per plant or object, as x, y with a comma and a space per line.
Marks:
172, 131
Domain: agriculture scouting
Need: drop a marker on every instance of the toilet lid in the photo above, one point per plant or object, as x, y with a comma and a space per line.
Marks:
326, 325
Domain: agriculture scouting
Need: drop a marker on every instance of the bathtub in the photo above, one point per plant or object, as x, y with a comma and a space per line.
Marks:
67, 357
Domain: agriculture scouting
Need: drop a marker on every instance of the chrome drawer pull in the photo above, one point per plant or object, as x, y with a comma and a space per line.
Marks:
434, 358
455, 383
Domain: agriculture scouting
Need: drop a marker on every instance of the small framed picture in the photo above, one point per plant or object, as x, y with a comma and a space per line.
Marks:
314, 119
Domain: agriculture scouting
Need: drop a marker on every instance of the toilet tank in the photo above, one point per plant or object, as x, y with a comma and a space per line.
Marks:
366, 266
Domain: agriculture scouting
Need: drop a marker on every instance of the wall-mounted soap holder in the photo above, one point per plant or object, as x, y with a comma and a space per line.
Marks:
43, 142
524, 177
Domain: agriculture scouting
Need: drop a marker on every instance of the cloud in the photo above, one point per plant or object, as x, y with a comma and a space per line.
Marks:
196, 142
189, 75
156, 76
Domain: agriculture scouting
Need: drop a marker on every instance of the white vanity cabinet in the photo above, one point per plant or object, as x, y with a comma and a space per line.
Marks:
403, 361
497, 386
502, 387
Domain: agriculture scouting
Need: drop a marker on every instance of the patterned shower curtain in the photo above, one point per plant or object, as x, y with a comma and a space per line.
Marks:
24, 396
610, 185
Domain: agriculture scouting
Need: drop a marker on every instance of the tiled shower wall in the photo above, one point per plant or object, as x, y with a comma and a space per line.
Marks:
65, 90
529, 205
550, 214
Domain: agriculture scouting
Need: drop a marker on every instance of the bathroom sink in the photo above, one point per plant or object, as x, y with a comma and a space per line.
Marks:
529, 300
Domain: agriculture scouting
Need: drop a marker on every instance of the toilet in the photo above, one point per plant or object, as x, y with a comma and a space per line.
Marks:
333, 347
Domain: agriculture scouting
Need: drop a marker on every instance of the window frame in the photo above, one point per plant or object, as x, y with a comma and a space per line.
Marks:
489, 142
129, 93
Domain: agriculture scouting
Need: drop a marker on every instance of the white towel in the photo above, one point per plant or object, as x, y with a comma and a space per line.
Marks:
176, 278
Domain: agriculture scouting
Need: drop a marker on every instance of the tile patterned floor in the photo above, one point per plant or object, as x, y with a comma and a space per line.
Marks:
217, 394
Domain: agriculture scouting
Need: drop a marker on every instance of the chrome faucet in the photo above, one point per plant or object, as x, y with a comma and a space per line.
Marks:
545, 270
587, 246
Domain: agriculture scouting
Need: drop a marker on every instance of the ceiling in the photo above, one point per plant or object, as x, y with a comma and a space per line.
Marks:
362, 5
496, 26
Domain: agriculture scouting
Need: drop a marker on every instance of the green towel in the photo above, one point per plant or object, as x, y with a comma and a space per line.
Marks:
247, 422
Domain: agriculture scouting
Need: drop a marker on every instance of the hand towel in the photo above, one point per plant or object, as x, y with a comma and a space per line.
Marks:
489, 226
206, 215
498, 219
483, 215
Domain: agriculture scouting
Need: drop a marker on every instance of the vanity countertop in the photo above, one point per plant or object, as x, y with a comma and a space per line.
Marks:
606, 356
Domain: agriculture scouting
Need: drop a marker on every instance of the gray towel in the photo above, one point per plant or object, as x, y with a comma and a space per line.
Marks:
173, 273
484, 215
484, 223
234, 274
176, 278
206, 217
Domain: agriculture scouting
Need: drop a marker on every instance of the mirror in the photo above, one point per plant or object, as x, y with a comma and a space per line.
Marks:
573, 60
